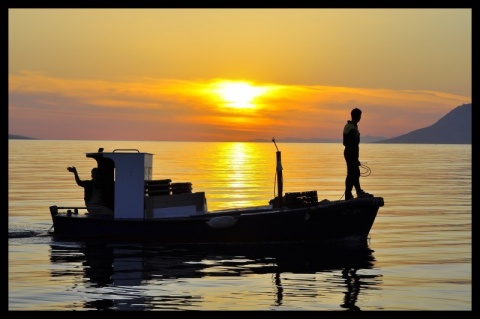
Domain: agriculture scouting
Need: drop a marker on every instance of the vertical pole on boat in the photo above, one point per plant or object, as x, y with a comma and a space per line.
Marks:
279, 175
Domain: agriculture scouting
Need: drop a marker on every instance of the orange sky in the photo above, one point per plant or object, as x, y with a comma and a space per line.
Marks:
163, 74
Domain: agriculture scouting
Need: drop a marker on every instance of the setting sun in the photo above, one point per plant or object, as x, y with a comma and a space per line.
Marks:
239, 94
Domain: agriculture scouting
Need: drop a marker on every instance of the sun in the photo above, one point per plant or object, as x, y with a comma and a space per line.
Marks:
238, 94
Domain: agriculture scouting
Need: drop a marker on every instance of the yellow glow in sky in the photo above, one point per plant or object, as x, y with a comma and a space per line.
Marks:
239, 94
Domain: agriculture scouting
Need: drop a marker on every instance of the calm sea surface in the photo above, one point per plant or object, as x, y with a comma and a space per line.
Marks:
419, 254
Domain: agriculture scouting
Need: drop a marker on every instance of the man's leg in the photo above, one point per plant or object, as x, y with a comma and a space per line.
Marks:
356, 179
349, 180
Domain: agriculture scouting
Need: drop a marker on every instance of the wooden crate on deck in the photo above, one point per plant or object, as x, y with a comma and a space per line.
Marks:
158, 187
301, 199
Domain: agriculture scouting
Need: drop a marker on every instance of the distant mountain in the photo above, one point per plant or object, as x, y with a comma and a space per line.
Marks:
19, 137
454, 128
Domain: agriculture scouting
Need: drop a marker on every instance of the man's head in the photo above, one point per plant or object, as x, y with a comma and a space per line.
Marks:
94, 173
356, 114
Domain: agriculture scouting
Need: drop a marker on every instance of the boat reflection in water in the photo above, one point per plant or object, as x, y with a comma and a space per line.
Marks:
119, 276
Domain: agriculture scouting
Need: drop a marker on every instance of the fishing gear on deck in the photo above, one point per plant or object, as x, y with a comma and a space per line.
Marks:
367, 171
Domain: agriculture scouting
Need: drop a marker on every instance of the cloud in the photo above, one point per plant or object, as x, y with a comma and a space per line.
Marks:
49, 107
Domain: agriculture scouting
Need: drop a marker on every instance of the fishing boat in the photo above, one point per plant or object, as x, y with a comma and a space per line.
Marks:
168, 212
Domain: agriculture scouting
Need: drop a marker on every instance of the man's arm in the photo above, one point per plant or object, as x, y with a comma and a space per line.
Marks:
73, 170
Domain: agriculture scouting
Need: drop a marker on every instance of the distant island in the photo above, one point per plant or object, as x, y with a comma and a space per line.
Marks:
20, 137
454, 128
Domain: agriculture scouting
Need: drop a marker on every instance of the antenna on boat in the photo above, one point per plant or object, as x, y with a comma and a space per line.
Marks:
273, 140
279, 175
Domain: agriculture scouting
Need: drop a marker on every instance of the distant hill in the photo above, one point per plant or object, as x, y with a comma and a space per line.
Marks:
19, 137
454, 128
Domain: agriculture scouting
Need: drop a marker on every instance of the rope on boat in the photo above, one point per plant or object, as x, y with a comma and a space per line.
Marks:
367, 171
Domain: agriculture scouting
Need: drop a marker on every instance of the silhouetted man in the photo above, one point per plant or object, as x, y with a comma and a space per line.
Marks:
93, 193
351, 141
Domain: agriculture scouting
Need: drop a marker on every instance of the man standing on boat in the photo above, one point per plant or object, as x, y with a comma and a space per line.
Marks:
351, 141
93, 193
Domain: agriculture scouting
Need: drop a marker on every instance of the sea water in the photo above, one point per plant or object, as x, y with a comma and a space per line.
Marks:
419, 254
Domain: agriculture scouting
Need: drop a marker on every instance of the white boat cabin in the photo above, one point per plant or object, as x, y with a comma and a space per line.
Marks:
132, 194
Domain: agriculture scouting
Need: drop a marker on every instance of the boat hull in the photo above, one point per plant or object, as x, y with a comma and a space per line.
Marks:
328, 221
